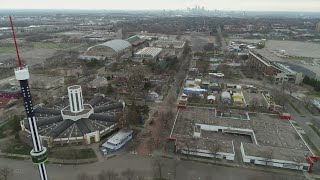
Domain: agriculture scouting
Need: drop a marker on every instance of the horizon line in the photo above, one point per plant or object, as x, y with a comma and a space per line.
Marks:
56, 9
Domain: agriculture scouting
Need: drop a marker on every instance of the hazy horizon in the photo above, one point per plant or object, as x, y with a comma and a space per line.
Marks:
227, 5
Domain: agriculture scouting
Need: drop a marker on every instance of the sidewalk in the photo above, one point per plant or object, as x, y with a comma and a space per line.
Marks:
226, 163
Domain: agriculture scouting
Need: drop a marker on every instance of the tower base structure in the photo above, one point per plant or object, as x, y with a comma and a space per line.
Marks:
38, 154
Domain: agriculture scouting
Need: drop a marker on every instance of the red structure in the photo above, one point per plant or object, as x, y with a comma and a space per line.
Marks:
314, 163
11, 94
285, 116
171, 144
182, 106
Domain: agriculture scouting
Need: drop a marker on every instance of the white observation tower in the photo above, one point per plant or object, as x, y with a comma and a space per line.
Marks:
75, 99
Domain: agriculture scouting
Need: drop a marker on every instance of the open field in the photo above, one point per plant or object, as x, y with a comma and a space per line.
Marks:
295, 48
35, 52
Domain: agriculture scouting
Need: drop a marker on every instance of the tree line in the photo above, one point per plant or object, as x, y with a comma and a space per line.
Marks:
312, 82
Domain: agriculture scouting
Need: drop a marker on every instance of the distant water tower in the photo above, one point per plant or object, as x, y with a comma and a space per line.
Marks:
75, 98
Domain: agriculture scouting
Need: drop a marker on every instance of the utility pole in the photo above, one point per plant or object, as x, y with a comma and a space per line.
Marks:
39, 153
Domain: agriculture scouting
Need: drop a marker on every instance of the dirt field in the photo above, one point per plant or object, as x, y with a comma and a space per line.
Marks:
295, 48
36, 53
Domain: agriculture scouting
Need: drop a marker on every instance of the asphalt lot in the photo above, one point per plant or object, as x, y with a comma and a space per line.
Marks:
186, 170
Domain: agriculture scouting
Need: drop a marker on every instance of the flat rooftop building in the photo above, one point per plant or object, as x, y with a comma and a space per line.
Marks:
253, 131
149, 52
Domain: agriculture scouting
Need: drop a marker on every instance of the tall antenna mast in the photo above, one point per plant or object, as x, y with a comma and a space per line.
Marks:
15, 43
39, 153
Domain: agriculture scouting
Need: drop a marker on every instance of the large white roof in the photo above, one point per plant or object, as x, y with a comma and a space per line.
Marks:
118, 138
116, 44
151, 51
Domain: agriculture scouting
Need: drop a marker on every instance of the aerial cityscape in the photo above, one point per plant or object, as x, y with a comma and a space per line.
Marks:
160, 90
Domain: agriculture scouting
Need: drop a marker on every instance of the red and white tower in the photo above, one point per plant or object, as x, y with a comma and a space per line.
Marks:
38, 153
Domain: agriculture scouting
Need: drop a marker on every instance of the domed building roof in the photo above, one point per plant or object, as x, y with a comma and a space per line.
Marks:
53, 125
117, 45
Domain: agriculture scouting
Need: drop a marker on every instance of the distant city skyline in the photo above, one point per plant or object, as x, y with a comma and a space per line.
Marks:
244, 5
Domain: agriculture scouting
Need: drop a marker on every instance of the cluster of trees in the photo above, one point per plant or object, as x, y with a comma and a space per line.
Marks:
5, 173
133, 115
312, 82
94, 63
260, 45
13, 125
187, 49
38, 37
170, 63
208, 47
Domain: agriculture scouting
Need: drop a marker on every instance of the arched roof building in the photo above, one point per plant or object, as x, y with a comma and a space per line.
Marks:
110, 49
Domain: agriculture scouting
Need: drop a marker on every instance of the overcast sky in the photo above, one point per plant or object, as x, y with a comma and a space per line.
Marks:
243, 5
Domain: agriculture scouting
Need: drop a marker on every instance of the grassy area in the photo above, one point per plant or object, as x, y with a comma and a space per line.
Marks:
51, 45
295, 124
73, 153
3, 130
11, 127
315, 93
17, 148
37, 45
311, 145
315, 129
295, 108
7, 49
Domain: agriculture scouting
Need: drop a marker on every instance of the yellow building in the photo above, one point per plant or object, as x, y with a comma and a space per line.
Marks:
238, 99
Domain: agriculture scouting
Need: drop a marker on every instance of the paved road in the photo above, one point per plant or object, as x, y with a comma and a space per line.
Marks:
303, 120
185, 170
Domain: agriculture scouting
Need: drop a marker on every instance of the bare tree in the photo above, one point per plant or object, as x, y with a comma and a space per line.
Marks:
279, 97
140, 177
84, 176
122, 118
108, 175
307, 101
291, 88
158, 166
188, 147
254, 103
5, 173
128, 174
288, 87
268, 156
215, 148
